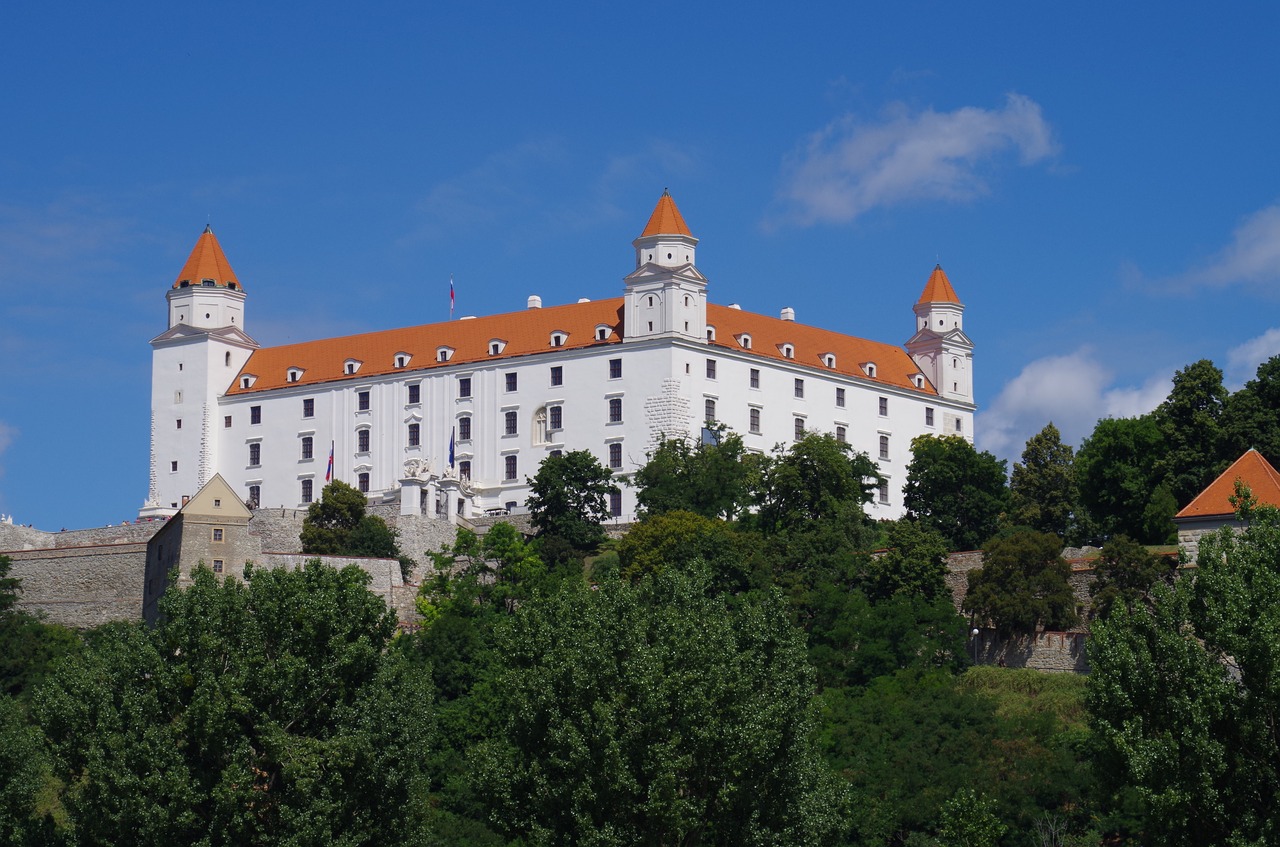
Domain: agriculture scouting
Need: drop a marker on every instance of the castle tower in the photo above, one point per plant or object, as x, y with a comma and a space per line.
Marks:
192, 364
666, 296
939, 347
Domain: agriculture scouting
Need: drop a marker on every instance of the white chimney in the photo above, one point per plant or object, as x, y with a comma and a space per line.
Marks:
735, 306
584, 299
788, 314
535, 302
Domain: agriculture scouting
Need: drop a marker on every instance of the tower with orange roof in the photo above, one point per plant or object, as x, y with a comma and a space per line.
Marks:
940, 347
666, 296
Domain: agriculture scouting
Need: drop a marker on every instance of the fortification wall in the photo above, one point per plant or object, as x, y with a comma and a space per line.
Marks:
280, 530
82, 586
419, 535
14, 537
384, 574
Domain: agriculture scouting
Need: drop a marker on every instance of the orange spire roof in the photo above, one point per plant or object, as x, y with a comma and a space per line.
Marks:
938, 289
1251, 469
666, 219
207, 261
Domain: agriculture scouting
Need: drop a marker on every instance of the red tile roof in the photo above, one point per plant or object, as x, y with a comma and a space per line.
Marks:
207, 261
938, 289
1251, 469
666, 219
529, 332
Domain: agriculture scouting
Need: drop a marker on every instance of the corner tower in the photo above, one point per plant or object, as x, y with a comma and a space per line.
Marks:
666, 296
940, 347
192, 364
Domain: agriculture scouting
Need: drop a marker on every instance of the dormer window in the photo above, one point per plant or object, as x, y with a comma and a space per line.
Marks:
496, 346
403, 359
558, 338
788, 351
186, 283
829, 359
603, 331
208, 283
869, 368
745, 341
294, 374
232, 286
918, 379
444, 354
711, 333
351, 366
247, 380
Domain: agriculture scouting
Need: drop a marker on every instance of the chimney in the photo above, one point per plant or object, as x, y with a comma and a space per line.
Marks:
535, 302
735, 306
584, 299
788, 314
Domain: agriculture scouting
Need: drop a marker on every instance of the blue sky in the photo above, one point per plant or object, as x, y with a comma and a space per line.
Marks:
1100, 182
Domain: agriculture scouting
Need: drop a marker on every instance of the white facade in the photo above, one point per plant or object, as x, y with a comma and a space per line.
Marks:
611, 376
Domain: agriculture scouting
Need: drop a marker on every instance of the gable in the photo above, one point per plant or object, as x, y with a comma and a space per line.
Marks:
216, 500
1251, 469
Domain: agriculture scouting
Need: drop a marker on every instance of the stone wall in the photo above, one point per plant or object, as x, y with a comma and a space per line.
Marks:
82, 586
384, 574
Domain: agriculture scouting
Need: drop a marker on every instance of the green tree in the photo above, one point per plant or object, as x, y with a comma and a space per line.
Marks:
680, 539
969, 820
569, 498
955, 490
1042, 487
1190, 420
24, 779
708, 479
1024, 582
1118, 481
264, 712
28, 645
816, 479
650, 715
1251, 419
914, 563
1183, 694
1125, 574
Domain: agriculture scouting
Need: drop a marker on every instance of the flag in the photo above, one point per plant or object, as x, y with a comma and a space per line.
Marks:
328, 474
450, 448
450, 305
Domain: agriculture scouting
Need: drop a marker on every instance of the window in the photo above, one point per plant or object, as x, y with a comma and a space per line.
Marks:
362, 482
842, 434
615, 369
415, 431
557, 339
511, 425
615, 503
755, 377
177, 395
555, 418
556, 454
928, 416
884, 407
788, 351
415, 393
255, 455
755, 421
829, 360
799, 432
362, 441
745, 341
800, 388
840, 397
602, 333
870, 369
615, 410
255, 496
443, 354
557, 375
884, 447
173, 467
464, 429
179, 423
309, 407
306, 491
464, 386
709, 410
294, 375
217, 533
255, 414
217, 565
226, 422
711, 368
509, 468
401, 361
884, 492
512, 381
959, 427
306, 446
615, 455
711, 333
362, 401
464, 469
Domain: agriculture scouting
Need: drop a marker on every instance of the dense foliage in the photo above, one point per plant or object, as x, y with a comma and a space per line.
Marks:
955, 490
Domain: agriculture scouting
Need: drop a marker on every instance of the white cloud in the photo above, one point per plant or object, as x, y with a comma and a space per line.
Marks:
1253, 256
7, 434
1243, 359
1073, 391
851, 167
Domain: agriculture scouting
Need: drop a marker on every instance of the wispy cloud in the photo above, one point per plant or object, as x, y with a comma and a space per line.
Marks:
1244, 358
1252, 257
851, 167
1073, 391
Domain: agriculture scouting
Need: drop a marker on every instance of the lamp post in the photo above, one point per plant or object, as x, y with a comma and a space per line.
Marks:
974, 635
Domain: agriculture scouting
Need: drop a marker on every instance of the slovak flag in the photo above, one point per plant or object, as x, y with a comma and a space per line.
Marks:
451, 296
328, 474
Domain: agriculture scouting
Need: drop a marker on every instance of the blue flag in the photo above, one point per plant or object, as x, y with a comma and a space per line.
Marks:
450, 448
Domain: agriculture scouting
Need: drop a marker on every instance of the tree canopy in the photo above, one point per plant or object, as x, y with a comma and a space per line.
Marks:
1023, 583
711, 479
955, 490
1042, 488
569, 498
336, 525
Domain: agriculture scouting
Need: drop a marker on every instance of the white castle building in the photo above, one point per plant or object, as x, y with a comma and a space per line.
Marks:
451, 418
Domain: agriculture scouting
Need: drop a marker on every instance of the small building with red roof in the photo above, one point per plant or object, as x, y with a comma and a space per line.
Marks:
1213, 508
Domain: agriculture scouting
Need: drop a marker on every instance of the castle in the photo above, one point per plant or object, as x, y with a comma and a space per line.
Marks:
450, 419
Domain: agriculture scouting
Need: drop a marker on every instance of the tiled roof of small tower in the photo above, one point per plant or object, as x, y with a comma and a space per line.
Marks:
666, 219
207, 261
1251, 469
938, 289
